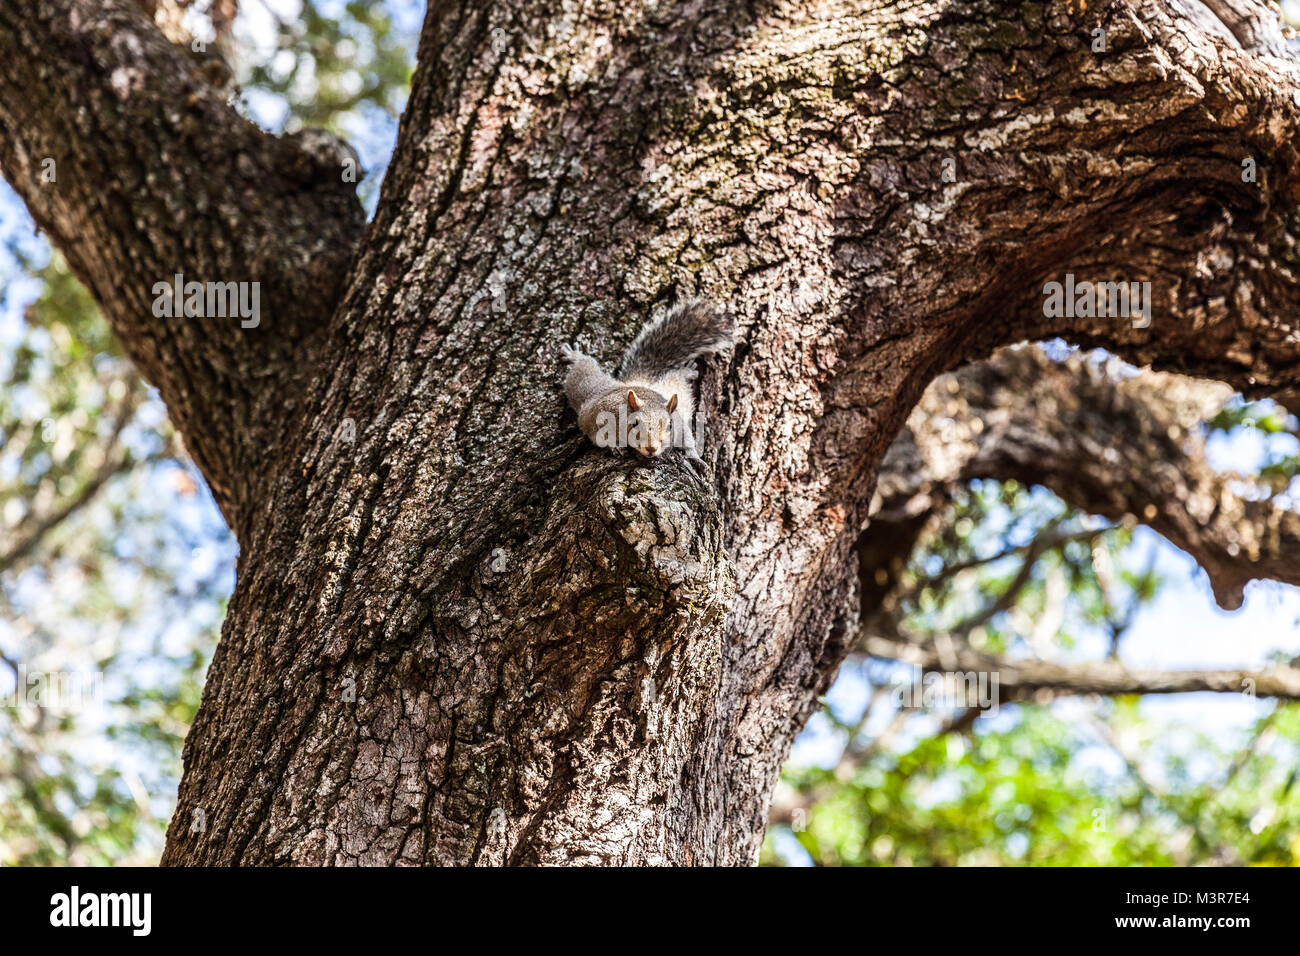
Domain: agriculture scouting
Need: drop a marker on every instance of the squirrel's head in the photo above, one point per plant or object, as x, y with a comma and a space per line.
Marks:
649, 422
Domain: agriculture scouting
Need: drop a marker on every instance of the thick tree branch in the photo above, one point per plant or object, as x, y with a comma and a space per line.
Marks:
1111, 444
1171, 159
139, 171
1117, 141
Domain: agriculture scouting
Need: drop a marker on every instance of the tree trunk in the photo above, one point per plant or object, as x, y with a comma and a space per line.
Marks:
460, 634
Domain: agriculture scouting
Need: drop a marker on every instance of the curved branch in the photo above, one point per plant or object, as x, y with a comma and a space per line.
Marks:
1122, 447
1171, 160
139, 171
958, 160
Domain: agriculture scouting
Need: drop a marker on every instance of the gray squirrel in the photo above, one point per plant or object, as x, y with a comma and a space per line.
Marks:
648, 404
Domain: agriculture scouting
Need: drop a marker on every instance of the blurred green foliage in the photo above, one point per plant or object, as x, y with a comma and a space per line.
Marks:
1075, 782
329, 68
113, 558
1028, 795
95, 557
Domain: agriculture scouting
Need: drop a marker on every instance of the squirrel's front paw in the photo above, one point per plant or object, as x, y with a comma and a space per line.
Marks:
570, 352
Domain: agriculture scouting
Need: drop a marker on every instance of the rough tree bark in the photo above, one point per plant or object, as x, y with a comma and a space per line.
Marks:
459, 635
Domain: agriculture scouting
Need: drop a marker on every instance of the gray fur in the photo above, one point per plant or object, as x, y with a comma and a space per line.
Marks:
689, 329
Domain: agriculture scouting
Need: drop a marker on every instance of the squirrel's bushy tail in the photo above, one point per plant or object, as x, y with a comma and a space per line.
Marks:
688, 330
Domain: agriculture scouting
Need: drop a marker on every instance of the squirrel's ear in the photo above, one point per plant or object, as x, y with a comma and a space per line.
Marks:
672, 404
632, 401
